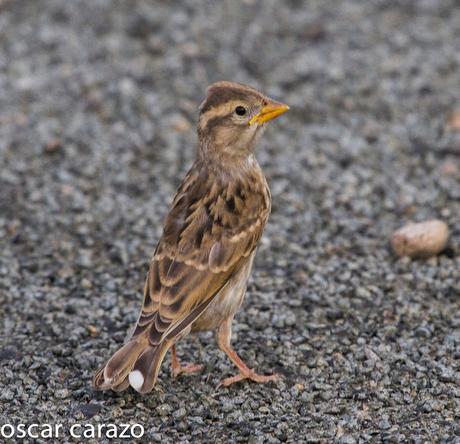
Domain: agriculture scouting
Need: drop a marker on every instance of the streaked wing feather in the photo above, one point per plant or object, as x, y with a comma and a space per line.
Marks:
209, 234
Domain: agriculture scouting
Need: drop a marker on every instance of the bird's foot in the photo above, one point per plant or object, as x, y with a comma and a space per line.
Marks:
187, 368
251, 375
177, 368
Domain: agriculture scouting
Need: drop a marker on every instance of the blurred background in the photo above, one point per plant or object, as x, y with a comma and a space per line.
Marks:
98, 106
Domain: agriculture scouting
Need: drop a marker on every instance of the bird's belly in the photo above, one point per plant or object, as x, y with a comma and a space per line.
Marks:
226, 303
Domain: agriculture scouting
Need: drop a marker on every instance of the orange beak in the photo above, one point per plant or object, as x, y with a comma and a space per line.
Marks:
269, 112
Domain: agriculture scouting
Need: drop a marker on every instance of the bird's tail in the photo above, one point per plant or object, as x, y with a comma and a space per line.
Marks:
137, 363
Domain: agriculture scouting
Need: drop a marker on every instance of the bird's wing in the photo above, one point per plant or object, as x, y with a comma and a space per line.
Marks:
209, 234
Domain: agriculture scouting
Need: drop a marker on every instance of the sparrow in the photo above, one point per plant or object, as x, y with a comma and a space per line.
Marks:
198, 275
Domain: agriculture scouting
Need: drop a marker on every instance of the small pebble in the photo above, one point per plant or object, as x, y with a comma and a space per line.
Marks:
420, 240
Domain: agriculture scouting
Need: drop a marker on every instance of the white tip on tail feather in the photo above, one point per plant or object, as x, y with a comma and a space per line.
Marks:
136, 380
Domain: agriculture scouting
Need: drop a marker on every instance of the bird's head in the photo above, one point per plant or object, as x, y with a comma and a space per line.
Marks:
232, 118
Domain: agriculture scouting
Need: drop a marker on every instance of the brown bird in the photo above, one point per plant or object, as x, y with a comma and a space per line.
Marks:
199, 271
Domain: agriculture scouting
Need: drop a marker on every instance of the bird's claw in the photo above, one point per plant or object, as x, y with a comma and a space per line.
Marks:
253, 376
187, 368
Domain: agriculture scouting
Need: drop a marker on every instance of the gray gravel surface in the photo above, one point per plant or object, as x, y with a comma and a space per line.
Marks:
98, 103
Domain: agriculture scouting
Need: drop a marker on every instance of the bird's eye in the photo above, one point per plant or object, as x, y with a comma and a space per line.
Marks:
240, 110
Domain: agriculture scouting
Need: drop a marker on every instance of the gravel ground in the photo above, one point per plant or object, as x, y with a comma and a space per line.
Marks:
98, 103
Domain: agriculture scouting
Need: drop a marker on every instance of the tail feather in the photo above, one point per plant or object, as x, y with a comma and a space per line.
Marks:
122, 386
137, 363
145, 371
113, 375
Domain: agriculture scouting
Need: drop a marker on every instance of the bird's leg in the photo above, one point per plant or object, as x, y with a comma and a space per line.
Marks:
177, 368
223, 340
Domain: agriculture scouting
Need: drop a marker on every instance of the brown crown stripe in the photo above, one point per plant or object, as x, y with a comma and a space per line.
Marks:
218, 95
222, 95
